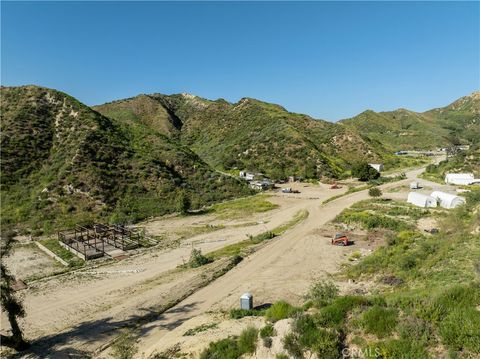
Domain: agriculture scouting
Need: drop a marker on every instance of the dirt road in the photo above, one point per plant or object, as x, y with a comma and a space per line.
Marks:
75, 312
65, 311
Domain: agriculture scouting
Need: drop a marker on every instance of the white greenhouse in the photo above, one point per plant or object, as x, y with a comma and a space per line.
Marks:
421, 200
462, 179
447, 200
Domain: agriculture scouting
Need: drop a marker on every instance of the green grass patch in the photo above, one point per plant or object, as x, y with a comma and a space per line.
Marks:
54, 246
243, 207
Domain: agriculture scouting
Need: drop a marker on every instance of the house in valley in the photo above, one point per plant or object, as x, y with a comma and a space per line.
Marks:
377, 166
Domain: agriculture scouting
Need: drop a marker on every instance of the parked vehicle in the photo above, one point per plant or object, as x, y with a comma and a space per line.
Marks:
340, 239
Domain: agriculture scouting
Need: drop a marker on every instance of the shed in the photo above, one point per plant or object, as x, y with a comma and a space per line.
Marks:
246, 301
448, 200
459, 178
421, 200
377, 166
414, 185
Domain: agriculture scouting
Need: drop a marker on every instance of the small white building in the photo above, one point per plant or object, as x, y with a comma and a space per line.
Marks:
414, 185
421, 200
447, 200
247, 175
462, 179
377, 166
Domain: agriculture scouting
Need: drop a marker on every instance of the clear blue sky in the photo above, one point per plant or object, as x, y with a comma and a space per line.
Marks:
329, 60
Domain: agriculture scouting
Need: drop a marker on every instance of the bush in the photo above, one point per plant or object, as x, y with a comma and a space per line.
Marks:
416, 330
374, 192
306, 335
461, 329
327, 345
379, 321
335, 313
222, 349
457, 296
280, 310
291, 345
396, 349
240, 313
247, 342
267, 331
322, 293
197, 259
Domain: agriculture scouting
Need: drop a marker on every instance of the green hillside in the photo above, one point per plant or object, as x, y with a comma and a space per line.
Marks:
464, 161
63, 163
251, 134
457, 123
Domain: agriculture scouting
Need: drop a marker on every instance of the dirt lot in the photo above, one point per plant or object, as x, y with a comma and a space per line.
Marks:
28, 261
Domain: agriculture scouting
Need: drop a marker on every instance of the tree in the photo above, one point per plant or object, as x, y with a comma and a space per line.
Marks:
364, 172
10, 304
374, 192
183, 203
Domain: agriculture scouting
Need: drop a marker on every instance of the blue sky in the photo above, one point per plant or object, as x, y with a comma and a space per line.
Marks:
329, 60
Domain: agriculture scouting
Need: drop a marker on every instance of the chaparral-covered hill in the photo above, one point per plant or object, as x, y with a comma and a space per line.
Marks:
457, 123
64, 163
249, 134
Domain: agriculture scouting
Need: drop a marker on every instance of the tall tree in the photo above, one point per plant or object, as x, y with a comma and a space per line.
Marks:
183, 203
10, 304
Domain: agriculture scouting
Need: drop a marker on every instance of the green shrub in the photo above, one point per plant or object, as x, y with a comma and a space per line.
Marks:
396, 349
416, 330
335, 313
322, 293
327, 345
306, 335
379, 321
247, 341
281, 356
280, 310
291, 345
267, 331
458, 296
461, 329
222, 349
375, 192
197, 259
240, 313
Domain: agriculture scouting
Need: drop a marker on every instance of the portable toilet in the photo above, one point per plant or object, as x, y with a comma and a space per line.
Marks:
414, 185
246, 301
